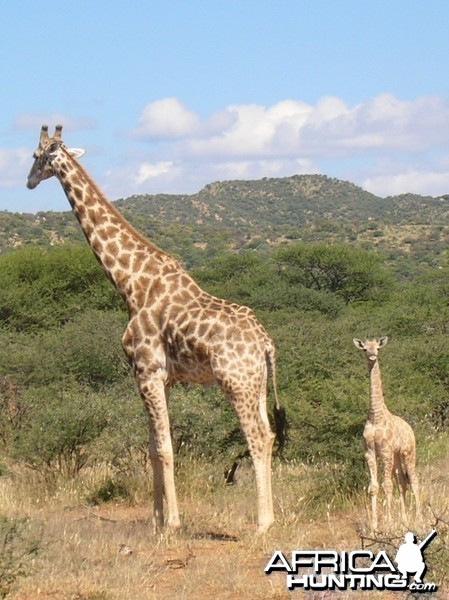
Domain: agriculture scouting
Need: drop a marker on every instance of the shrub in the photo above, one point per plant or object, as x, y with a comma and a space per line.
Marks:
17, 549
110, 490
43, 288
60, 429
89, 348
352, 274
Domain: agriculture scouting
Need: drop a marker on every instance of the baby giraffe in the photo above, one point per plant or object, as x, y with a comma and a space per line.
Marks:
386, 437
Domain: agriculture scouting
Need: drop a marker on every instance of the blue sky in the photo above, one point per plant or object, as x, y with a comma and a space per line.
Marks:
169, 95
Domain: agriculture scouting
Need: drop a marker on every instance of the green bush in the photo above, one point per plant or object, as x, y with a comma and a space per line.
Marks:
76, 401
17, 550
352, 274
60, 429
109, 491
44, 288
89, 348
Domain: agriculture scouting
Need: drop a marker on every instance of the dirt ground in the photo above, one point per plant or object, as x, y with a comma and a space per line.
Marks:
109, 552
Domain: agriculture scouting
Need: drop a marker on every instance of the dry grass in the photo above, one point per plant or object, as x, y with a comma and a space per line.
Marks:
109, 552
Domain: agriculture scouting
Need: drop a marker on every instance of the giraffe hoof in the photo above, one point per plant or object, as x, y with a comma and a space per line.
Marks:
262, 529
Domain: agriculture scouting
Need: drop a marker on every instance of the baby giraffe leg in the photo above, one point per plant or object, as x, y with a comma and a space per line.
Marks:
410, 467
373, 489
402, 484
388, 486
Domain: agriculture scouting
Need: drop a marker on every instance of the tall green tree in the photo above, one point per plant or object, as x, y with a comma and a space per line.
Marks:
351, 273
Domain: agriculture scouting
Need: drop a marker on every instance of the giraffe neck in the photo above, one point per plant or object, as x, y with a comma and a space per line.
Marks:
377, 408
122, 251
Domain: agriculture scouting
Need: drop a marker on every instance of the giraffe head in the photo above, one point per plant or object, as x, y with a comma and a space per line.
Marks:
371, 347
45, 154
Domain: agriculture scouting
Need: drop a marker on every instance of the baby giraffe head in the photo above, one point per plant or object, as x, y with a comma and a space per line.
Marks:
371, 347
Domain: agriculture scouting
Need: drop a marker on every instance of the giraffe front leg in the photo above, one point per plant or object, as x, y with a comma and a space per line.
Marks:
154, 393
373, 488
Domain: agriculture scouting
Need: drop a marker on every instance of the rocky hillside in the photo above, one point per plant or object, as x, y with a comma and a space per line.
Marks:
290, 201
248, 214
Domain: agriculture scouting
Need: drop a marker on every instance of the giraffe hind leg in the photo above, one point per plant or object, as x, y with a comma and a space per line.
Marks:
269, 438
250, 406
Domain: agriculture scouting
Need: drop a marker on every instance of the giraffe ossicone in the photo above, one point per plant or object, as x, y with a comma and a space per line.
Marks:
176, 331
387, 439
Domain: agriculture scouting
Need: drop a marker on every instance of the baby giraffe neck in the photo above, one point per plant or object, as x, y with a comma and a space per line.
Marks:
377, 408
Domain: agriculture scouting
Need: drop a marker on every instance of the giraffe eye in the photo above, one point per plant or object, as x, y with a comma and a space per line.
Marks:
52, 148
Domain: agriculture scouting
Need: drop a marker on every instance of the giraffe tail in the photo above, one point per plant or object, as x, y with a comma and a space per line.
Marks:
280, 417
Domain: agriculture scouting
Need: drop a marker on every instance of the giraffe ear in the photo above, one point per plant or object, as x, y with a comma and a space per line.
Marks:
358, 344
76, 152
383, 341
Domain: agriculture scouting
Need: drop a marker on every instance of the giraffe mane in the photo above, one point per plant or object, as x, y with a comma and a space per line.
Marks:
126, 224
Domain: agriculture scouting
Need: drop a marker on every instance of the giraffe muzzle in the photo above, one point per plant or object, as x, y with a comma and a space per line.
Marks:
31, 184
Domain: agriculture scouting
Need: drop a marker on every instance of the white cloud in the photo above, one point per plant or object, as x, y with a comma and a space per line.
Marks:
145, 177
294, 127
385, 144
383, 122
169, 120
166, 118
13, 166
149, 171
376, 143
256, 169
427, 183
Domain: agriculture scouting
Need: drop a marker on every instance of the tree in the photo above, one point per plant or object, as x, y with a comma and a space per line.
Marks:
351, 273
43, 288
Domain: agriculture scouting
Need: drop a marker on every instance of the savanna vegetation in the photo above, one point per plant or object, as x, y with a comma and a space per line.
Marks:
60, 344
73, 432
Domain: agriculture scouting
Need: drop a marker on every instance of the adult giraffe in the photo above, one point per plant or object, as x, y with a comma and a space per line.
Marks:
176, 331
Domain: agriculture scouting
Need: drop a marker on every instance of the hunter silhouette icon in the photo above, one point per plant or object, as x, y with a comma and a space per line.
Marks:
410, 558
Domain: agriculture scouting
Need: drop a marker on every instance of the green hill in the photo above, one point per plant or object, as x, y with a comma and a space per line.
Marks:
232, 215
